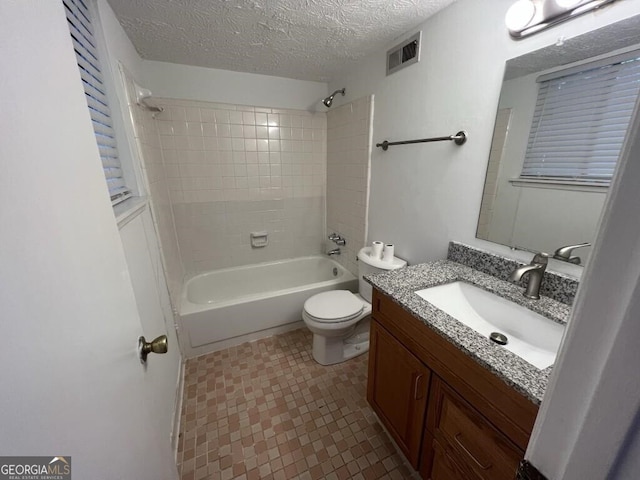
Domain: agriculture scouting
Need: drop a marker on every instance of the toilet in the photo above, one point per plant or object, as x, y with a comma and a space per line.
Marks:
339, 319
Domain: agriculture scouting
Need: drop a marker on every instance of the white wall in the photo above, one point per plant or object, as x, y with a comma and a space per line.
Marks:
223, 86
119, 46
422, 196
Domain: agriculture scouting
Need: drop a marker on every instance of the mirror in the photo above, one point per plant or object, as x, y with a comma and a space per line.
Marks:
533, 215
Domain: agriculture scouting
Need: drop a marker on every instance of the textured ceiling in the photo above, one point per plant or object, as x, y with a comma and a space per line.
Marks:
303, 39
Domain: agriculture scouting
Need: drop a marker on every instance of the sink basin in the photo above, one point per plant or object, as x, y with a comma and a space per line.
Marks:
531, 336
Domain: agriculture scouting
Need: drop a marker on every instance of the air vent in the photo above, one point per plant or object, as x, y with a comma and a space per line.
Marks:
404, 54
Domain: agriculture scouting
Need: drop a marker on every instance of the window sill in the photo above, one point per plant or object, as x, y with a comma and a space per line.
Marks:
558, 184
129, 209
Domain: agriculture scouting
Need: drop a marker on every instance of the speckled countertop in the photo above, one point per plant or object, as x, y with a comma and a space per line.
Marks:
401, 285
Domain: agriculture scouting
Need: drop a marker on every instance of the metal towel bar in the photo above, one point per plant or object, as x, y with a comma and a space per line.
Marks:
459, 139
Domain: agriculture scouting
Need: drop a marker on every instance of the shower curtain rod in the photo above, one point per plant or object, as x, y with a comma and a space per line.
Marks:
459, 139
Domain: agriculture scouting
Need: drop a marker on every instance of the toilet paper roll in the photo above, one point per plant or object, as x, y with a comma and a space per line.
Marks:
387, 255
376, 250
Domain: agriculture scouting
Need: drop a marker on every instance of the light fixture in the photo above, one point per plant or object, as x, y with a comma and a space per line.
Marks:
526, 17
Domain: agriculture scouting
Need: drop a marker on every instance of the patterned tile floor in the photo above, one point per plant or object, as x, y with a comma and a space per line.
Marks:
266, 410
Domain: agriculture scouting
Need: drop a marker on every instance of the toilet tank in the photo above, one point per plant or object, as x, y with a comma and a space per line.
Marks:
368, 265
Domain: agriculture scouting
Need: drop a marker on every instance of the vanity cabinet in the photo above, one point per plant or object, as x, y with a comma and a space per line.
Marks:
452, 418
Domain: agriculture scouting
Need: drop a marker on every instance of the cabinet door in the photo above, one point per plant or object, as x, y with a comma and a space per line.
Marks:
397, 390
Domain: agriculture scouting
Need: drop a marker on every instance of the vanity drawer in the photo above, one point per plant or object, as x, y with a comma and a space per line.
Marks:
469, 438
444, 467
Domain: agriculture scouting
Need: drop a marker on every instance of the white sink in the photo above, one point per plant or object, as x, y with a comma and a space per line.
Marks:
531, 336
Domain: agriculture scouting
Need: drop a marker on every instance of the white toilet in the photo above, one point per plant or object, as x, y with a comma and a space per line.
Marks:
339, 319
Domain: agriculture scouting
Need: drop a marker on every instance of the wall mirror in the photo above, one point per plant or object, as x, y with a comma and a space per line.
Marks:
534, 214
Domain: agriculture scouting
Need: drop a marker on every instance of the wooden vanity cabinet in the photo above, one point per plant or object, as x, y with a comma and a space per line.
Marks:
452, 418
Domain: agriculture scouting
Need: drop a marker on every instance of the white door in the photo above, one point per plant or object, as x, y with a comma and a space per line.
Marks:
71, 380
162, 372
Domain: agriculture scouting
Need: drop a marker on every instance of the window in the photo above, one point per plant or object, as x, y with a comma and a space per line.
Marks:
84, 44
581, 119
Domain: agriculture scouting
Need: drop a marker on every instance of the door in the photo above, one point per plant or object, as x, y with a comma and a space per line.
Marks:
71, 380
397, 390
162, 372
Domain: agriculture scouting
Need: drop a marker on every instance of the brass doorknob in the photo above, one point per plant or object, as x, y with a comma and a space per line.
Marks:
158, 345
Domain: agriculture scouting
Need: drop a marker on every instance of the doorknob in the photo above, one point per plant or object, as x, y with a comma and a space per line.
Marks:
158, 345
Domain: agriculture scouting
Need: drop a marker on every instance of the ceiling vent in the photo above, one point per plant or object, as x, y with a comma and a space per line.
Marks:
404, 54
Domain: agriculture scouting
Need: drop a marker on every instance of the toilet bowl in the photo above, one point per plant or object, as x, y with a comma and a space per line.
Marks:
339, 319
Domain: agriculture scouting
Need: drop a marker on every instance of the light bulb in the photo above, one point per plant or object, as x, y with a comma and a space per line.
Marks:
520, 14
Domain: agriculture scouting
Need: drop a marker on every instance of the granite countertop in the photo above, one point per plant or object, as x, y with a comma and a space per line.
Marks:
401, 285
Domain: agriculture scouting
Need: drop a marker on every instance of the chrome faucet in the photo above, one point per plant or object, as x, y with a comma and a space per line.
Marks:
335, 251
564, 253
535, 270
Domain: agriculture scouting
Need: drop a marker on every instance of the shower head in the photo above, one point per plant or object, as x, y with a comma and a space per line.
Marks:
144, 94
329, 100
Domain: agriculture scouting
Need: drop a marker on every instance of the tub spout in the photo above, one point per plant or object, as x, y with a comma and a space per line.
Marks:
335, 251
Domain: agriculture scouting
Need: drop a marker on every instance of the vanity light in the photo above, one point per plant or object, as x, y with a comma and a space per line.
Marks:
526, 17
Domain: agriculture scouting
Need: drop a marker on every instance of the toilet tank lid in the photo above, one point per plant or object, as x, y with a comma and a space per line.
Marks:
364, 255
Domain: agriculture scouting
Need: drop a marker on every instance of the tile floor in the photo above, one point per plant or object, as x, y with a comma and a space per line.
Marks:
266, 410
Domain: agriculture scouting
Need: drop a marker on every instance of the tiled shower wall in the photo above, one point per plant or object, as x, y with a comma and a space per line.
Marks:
234, 169
348, 158
147, 137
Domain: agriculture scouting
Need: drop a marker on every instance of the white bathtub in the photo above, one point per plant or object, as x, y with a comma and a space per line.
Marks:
228, 306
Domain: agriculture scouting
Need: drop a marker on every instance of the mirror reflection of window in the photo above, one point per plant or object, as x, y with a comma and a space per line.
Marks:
580, 121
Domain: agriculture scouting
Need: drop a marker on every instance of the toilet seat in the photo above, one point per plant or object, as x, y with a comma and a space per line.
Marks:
333, 307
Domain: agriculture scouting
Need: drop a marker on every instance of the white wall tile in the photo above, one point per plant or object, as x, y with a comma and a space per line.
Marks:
231, 157
347, 172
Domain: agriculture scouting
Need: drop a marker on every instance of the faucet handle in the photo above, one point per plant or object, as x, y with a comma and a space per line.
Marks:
337, 239
540, 258
564, 253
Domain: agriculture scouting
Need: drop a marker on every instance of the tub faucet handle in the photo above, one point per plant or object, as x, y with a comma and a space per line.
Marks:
337, 239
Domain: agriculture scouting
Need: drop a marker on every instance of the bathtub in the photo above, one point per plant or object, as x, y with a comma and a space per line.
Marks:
232, 305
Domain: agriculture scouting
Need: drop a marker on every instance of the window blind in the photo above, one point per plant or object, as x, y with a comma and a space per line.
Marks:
84, 44
580, 122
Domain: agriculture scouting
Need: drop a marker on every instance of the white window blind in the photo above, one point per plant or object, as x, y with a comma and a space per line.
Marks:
580, 121
84, 44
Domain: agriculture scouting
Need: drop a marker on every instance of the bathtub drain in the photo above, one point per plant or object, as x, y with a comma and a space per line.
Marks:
335, 272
